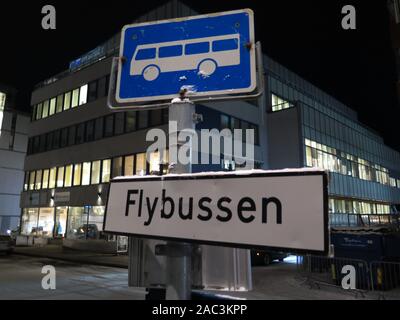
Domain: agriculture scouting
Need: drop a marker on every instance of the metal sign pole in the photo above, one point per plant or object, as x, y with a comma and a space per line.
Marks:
179, 266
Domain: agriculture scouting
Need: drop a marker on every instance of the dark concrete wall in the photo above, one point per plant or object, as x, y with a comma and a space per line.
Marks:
284, 139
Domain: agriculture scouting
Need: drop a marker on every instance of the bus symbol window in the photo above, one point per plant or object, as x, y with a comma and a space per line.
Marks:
151, 60
146, 54
197, 48
225, 45
169, 52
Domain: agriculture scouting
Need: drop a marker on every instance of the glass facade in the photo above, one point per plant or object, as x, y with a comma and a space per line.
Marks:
324, 157
77, 220
61, 222
71, 99
364, 172
357, 207
64, 222
46, 222
100, 128
232, 123
83, 222
279, 103
94, 172
29, 221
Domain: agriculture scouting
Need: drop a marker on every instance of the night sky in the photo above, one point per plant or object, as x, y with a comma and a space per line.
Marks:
357, 67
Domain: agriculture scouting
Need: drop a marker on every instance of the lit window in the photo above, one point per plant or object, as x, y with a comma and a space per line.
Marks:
77, 221
45, 183
60, 101
309, 157
39, 111
29, 221
60, 177
3, 97
52, 109
86, 174
75, 98
32, 180
26, 181
38, 183
83, 95
96, 165
45, 109
96, 217
279, 104
154, 163
67, 100
117, 167
77, 174
46, 222
141, 164
52, 180
165, 157
106, 170
129, 165
68, 176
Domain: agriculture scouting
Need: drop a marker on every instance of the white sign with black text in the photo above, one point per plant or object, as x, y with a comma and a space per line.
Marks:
284, 210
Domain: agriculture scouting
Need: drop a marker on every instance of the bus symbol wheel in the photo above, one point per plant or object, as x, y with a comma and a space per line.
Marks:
151, 73
207, 67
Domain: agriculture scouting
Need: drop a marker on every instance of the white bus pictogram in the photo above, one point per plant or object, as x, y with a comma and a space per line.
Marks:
202, 54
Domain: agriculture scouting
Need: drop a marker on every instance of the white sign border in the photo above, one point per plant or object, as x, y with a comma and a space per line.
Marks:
228, 176
251, 88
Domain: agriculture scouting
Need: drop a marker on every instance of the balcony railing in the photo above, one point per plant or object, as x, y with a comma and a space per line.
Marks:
364, 220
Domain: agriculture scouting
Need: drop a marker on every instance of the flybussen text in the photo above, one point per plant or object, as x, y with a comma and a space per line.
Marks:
223, 209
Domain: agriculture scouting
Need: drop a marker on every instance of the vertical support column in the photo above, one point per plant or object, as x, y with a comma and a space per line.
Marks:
179, 260
136, 263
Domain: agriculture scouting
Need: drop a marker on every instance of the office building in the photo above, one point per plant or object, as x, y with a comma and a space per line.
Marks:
13, 143
394, 11
76, 144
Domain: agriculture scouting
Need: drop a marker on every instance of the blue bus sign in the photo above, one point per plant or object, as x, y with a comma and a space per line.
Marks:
209, 55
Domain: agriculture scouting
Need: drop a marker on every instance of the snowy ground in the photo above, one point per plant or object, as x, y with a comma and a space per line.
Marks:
20, 278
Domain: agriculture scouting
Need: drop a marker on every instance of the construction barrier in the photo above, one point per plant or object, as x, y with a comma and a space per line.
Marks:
381, 277
331, 271
385, 278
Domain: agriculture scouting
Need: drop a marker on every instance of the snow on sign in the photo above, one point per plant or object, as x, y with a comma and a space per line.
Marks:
211, 54
283, 210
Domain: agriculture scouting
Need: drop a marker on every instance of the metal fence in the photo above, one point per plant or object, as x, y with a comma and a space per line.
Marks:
381, 277
319, 271
385, 279
363, 220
